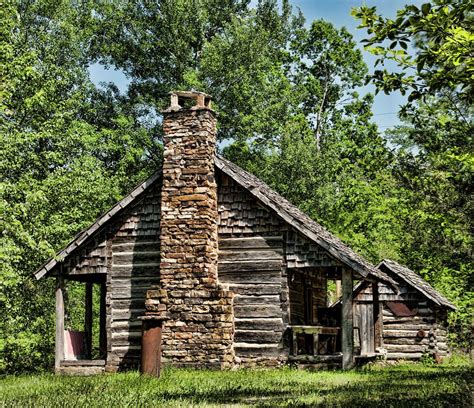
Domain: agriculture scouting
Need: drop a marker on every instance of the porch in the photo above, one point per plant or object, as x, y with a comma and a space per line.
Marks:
81, 337
328, 329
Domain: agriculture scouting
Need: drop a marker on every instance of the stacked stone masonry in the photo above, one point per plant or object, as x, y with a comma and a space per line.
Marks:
200, 326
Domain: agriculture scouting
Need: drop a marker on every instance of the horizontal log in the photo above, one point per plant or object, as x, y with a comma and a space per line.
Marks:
388, 320
82, 363
420, 314
135, 245
250, 255
255, 289
254, 242
404, 356
406, 340
275, 324
127, 324
408, 326
249, 266
256, 299
121, 350
128, 304
400, 333
257, 336
125, 258
255, 277
127, 293
257, 311
405, 348
135, 281
258, 350
136, 269
127, 314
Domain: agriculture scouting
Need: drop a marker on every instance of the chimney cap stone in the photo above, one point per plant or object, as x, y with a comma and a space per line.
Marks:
181, 100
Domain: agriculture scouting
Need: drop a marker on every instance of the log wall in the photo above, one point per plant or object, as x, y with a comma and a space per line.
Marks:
134, 263
251, 263
409, 337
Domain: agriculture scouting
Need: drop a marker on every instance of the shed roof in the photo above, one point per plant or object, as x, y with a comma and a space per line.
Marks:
263, 193
416, 281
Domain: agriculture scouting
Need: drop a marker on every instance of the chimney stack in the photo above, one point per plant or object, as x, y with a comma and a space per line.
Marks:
200, 329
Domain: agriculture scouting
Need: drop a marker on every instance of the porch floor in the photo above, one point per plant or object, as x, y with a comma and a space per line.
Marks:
81, 367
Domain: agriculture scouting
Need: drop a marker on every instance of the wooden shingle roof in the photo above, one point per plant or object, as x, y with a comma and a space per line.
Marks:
263, 193
416, 281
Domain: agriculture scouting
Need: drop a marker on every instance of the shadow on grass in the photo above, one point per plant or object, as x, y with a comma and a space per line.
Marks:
393, 388
403, 386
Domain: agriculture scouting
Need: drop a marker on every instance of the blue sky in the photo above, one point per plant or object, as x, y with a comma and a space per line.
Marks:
337, 12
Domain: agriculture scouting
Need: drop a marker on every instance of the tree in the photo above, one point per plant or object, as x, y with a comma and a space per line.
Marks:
434, 161
433, 46
60, 165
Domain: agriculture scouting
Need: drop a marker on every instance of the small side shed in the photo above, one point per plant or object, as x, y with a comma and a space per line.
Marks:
412, 321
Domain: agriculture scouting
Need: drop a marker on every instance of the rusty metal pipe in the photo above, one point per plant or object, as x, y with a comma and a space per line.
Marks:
151, 347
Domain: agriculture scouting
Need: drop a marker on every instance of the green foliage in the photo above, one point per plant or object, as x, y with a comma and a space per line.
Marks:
60, 165
434, 161
435, 42
434, 386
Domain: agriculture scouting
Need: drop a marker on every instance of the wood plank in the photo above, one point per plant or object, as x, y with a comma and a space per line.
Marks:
255, 277
347, 320
404, 356
257, 336
103, 319
255, 349
255, 289
256, 311
274, 324
406, 348
59, 343
256, 299
256, 242
249, 266
135, 257
250, 255
138, 270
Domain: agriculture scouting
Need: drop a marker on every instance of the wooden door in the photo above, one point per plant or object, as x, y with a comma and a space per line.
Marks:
364, 321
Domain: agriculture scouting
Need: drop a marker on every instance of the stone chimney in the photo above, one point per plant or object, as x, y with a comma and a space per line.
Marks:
199, 331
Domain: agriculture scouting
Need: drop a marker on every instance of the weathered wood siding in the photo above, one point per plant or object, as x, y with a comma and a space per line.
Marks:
251, 263
134, 262
408, 337
91, 259
256, 249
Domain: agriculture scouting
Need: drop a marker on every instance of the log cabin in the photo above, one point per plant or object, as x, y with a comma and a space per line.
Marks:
412, 319
230, 272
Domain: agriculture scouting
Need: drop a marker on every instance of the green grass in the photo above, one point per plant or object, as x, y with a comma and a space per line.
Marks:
408, 385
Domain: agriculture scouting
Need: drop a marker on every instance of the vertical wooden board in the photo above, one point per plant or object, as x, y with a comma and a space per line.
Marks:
347, 321
59, 344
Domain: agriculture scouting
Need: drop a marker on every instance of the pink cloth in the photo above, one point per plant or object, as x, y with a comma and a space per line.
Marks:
73, 344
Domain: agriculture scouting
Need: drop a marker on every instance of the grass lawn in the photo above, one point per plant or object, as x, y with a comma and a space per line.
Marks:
407, 385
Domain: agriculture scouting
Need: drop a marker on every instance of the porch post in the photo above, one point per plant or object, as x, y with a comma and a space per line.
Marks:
377, 315
347, 322
102, 320
59, 344
88, 319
